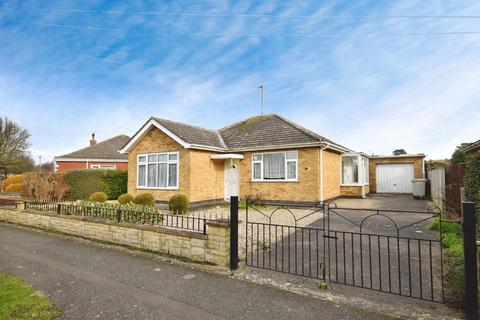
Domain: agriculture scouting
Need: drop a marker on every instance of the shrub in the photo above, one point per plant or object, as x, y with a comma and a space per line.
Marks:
44, 186
83, 183
459, 157
98, 197
114, 183
178, 204
125, 198
145, 199
13, 180
472, 181
14, 187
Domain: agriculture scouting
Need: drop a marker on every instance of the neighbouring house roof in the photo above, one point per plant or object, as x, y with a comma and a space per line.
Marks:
466, 147
254, 133
105, 150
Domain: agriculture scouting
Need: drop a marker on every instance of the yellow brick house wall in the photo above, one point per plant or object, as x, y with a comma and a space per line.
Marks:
331, 174
157, 141
206, 176
307, 188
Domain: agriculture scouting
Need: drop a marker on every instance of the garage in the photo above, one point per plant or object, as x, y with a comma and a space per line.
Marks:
394, 177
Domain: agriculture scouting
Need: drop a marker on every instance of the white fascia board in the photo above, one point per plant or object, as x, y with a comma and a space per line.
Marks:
147, 127
227, 156
278, 147
88, 160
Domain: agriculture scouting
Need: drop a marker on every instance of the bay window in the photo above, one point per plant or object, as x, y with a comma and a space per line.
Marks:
158, 170
275, 166
355, 169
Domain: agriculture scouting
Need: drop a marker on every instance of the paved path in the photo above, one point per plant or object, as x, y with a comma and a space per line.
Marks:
91, 281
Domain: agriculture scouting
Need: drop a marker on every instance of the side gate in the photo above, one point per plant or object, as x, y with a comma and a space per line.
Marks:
391, 251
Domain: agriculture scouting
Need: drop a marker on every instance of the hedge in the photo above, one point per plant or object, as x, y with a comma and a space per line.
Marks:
82, 183
472, 182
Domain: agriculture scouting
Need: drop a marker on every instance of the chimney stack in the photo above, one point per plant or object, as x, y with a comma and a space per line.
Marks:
93, 141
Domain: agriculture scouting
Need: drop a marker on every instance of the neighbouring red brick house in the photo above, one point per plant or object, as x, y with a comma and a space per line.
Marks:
102, 155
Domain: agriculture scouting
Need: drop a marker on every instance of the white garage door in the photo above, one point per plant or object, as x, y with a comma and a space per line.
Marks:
394, 178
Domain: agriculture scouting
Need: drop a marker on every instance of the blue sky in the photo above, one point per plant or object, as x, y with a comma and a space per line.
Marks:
359, 73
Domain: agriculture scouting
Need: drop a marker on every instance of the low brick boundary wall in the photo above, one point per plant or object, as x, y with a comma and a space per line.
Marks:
211, 248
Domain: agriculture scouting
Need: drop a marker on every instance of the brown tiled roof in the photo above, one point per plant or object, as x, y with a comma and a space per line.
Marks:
106, 149
192, 134
266, 131
255, 132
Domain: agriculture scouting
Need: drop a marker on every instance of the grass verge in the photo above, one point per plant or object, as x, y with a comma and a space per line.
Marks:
452, 241
22, 302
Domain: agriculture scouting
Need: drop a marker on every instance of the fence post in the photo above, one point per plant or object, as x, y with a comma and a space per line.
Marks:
470, 266
233, 233
119, 215
59, 208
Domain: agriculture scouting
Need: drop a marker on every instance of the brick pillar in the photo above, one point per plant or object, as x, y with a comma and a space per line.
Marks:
218, 243
20, 205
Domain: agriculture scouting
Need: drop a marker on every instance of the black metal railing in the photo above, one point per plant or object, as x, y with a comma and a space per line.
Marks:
136, 214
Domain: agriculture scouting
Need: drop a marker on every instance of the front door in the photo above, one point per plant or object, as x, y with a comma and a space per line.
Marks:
232, 177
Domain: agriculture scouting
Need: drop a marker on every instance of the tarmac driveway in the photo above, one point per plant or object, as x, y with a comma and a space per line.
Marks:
91, 281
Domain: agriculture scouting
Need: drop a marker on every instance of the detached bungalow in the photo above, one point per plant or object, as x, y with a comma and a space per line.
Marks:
101, 155
264, 156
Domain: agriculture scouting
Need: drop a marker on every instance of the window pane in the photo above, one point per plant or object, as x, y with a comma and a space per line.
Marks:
291, 155
349, 170
173, 156
172, 174
142, 159
141, 175
152, 158
257, 170
162, 175
257, 157
162, 157
274, 166
152, 175
291, 170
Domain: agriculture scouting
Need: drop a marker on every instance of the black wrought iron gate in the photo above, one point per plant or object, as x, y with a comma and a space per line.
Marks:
390, 251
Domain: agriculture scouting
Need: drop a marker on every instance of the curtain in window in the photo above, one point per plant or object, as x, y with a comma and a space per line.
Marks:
152, 175
162, 175
291, 170
349, 170
141, 175
172, 175
274, 166
257, 170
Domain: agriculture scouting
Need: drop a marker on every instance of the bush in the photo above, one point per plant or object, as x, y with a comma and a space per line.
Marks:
16, 179
125, 198
114, 183
98, 197
472, 181
178, 204
145, 199
44, 186
14, 187
83, 183
459, 157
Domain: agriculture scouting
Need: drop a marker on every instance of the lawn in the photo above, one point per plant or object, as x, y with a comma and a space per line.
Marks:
22, 302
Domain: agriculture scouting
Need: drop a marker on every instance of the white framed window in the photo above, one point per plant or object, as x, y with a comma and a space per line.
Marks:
354, 169
275, 166
158, 170
103, 166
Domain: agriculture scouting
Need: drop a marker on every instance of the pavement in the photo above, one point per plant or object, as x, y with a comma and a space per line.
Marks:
88, 280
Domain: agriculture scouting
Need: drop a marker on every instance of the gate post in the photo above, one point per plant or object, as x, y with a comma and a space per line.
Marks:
233, 232
470, 265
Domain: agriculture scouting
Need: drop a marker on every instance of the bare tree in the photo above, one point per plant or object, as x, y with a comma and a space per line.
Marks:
13, 144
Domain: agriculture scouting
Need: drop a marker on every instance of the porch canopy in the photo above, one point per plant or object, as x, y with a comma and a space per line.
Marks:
227, 156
